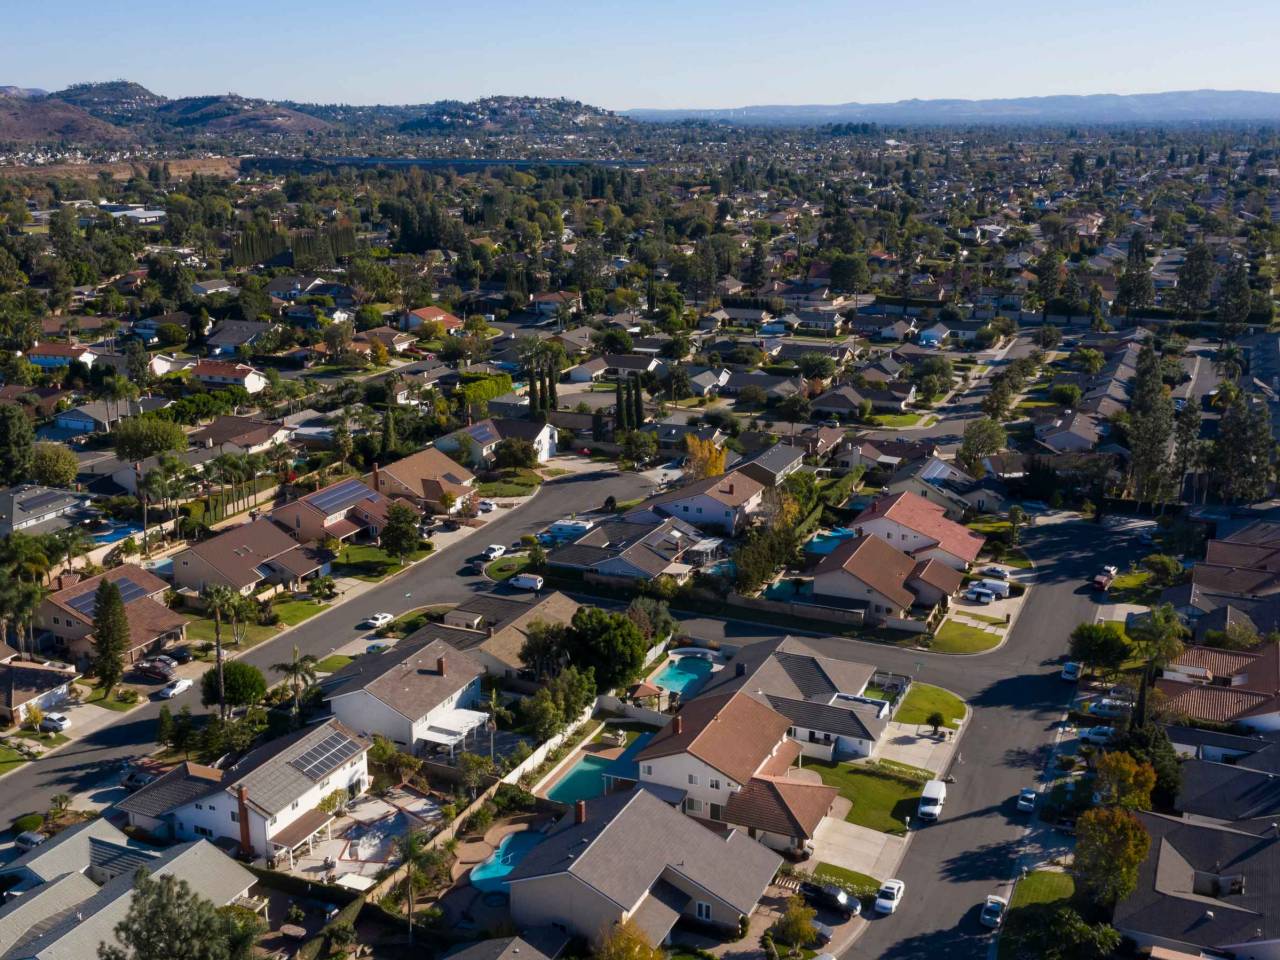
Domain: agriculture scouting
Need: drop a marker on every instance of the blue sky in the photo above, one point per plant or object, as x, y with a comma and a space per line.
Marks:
654, 53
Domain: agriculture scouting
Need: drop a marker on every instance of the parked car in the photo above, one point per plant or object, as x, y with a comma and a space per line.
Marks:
526, 581
823, 932
1103, 581
992, 914
1027, 800
998, 588
1099, 736
1071, 671
889, 896
978, 595
175, 688
55, 722
494, 550
377, 647
828, 896
29, 840
182, 655
996, 573
157, 668
1109, 709
486, 506
1111, 570
136, 779
378, 620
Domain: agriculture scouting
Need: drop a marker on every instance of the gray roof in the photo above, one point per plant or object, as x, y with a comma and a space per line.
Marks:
179, 786
536, 943
271, 781
845, 721
20, 914
407, 677
789, 668
66, 852
630, 841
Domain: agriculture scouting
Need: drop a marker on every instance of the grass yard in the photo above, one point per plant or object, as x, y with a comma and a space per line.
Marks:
1017, 558
115, 703
10, 759
982, 617
898, 420
48, 739
512, 483
957, 637
879, 801
370, 563
851, 880
1036, 897
989, 526
200, 631
1133, 587
550, 472
333, 663
923, 698
293, 612
504, 568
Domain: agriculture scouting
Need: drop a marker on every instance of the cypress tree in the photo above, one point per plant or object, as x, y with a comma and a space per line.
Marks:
622, 406
110, 636
535, 402
597, 426
638, 400
390, 441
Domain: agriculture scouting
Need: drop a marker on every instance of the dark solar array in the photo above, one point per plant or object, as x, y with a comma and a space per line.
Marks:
129, 592
330, 753
40, 500
341, 496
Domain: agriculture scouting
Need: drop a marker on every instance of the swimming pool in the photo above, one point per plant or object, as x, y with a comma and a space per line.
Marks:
824, 543
116, 532
586, 778
684, 675
491, 875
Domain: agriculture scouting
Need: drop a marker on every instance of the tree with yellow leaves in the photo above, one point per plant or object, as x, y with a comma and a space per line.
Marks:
705, 458
626, 941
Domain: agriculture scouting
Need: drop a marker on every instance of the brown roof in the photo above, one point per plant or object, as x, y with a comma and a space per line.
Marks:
939, 575
242, 431
732, 733
149, 620
876, 564
22, 681
1220, 663
407, 677
929, 519
430, 473
1219, 704
301, 829
732, 489
237, 553
148, 581
780, 806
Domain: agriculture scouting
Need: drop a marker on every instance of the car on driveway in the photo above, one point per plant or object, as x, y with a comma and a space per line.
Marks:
486, 506
823, 932
1071, 671
494, 550
1099, 736
136, 779
1109, 709
1027, 800
55, 722
377, 646
979, 596
175, 688
181, 654
157, 668
827, 896
996, 572
993, 909
889, 896
378, 620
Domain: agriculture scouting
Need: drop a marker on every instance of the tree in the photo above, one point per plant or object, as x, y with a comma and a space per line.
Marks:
183, 728
1150, 744
1186, 445
110, 636
167, 919
817, 366
626, 941
543, 649
164, 726
343, 444
1122, 781
1158, 639
218, 600
637, 403
794, 409
515, 453
475, 770
1066, 395
706, 459
243, 685
1195, 279
1150, 427
935, 720
795, 926
1069, 936
422, 865
54, 465
607, 643
621, 407
1048, 337
639, 446
16, 442
1236, 301
389, 441
1110, 846
1100, 646
299, 672
400, 533
1166, 571
137, 438
983, 438
752, 397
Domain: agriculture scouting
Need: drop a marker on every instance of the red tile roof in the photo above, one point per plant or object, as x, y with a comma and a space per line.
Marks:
875, 563
929, 520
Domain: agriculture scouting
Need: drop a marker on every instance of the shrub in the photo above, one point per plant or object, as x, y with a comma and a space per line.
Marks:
28, 821
127, 695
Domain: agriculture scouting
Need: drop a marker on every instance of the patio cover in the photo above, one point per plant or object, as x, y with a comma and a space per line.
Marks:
451, 727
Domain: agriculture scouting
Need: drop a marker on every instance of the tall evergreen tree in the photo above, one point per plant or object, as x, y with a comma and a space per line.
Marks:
390, 441
1186, 444
535, 401
597, 427
552, 396
110, 636
16, 442
637, 398
1150, 428
1237, 299
621, 406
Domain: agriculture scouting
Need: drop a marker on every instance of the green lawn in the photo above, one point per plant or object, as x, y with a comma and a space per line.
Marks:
49, 739
891, 420
555, 472
851, 880
10, 759
295, 611
200, 631
988, 525
956, 637
513, 483
983, 618
1017, 558
1036, 897
333, 663
504, 568
880, 801
95, 697
1133, 587
370, 563
923, 698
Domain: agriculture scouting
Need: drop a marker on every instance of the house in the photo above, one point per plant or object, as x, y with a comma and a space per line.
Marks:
428, 478
576, 342
415, 319
820, 442
35, 509
942, 482
1071, 433
244, 557
77, 887
292, 287
773, 464
934, 335
38, 402
478, 442
1224, 686
537, 943
636, 546
776, 388
588, 371
31, 683
621, 365
340, 510
267, 804
229, 337
215, 374
241, 435
492, 629
203, 288
100, 416
52, 354
128, 475
898, 330
674, 436
920, 529
65, 617
889, 582
419, 694
395, 341
724, 503
550, 304
630, 856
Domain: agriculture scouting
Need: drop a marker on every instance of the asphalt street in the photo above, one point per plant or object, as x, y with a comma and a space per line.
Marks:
93, 762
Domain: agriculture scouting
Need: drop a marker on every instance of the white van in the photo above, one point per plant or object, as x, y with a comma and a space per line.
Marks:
997, 587
526, 581
932, 799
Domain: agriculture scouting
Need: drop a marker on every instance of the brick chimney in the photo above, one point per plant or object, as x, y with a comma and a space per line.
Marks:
677, 725
242, 802
440, 665
580, 811
377, 483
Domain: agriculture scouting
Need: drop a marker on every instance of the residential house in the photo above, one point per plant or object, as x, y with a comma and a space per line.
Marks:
216, 374
724, 502
38, 402
53, 353
428, 478
31, 683
203, 288
942, 482
934, 335
492, 628
340, 510
623, 365
776, 388
244, 557
1072, 432
35, 509
550, 304
395, 341
415, 319
636, 546
588, 371
100, 416
1224, 686
241, 435
418, 694
65, 616
819, 442
537, 943
774, 464
883, 580
230, 337
920, 529
479, 442
630, 856
672, 437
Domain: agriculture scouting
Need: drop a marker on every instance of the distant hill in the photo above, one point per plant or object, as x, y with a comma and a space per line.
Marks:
1175, 107
116, 101
25, 119
232, 114
29, 92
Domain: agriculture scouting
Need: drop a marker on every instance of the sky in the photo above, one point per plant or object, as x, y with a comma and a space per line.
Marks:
657, 53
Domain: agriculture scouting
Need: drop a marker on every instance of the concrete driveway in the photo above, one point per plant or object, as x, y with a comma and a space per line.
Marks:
915, 745
844, 844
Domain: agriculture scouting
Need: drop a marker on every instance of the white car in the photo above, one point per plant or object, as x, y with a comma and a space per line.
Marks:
993, 911
996, 573
55, 722
494, 551
979, 596
1071, 671
889, 896
1111, 570
1027, 800
175, 688
486, 506
1100, 736
379, 620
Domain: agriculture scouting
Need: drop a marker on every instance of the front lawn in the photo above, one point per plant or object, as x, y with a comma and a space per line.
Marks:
10, 759
857, 883
115, 703
1134, 586
504, 568
293, 612
333, 663
511, 483
923, 698
897, 420
370, 563
956, 637
880, 801
1036, 898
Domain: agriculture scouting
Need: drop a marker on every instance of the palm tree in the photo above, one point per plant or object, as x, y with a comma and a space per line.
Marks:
24, 557
1229, 363
417, 859
30, 596
300, 672
219, 601
256, 464
1158, 639
221, 470
73, 542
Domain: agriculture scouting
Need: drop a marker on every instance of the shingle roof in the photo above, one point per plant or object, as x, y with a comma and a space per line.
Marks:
271, 781
731, 733
407, 677
928, 519
780, 806
184, 783
876, 564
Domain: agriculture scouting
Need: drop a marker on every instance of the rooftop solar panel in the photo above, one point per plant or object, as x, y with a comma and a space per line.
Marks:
41, 500
330, 753
86, 603
340, 497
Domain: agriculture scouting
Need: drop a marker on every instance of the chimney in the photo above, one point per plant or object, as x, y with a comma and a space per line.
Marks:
377, 483
730, 490
242, 801
440, 665
740, 670
580, 811
677, 725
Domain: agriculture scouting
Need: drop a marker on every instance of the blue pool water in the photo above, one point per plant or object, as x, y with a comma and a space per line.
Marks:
117, 532
824, 543
684, 675
585, 779
725, 568
786, 590
490, 876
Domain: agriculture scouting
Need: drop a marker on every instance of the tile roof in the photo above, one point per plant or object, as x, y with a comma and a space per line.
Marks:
780, 806
878, 565
929, 520
732, 489
429, 473
731, 733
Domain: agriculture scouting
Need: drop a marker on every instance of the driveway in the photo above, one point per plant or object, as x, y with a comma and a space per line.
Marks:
915, 745
848, 845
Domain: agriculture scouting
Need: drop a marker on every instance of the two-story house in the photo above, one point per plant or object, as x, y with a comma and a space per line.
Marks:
339, 510
724, 502
427, 478
920, 529
217, 374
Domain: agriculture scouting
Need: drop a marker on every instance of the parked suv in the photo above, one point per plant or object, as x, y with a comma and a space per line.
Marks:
157, 668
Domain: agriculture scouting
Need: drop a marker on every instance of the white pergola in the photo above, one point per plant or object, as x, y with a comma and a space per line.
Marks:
452, 727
